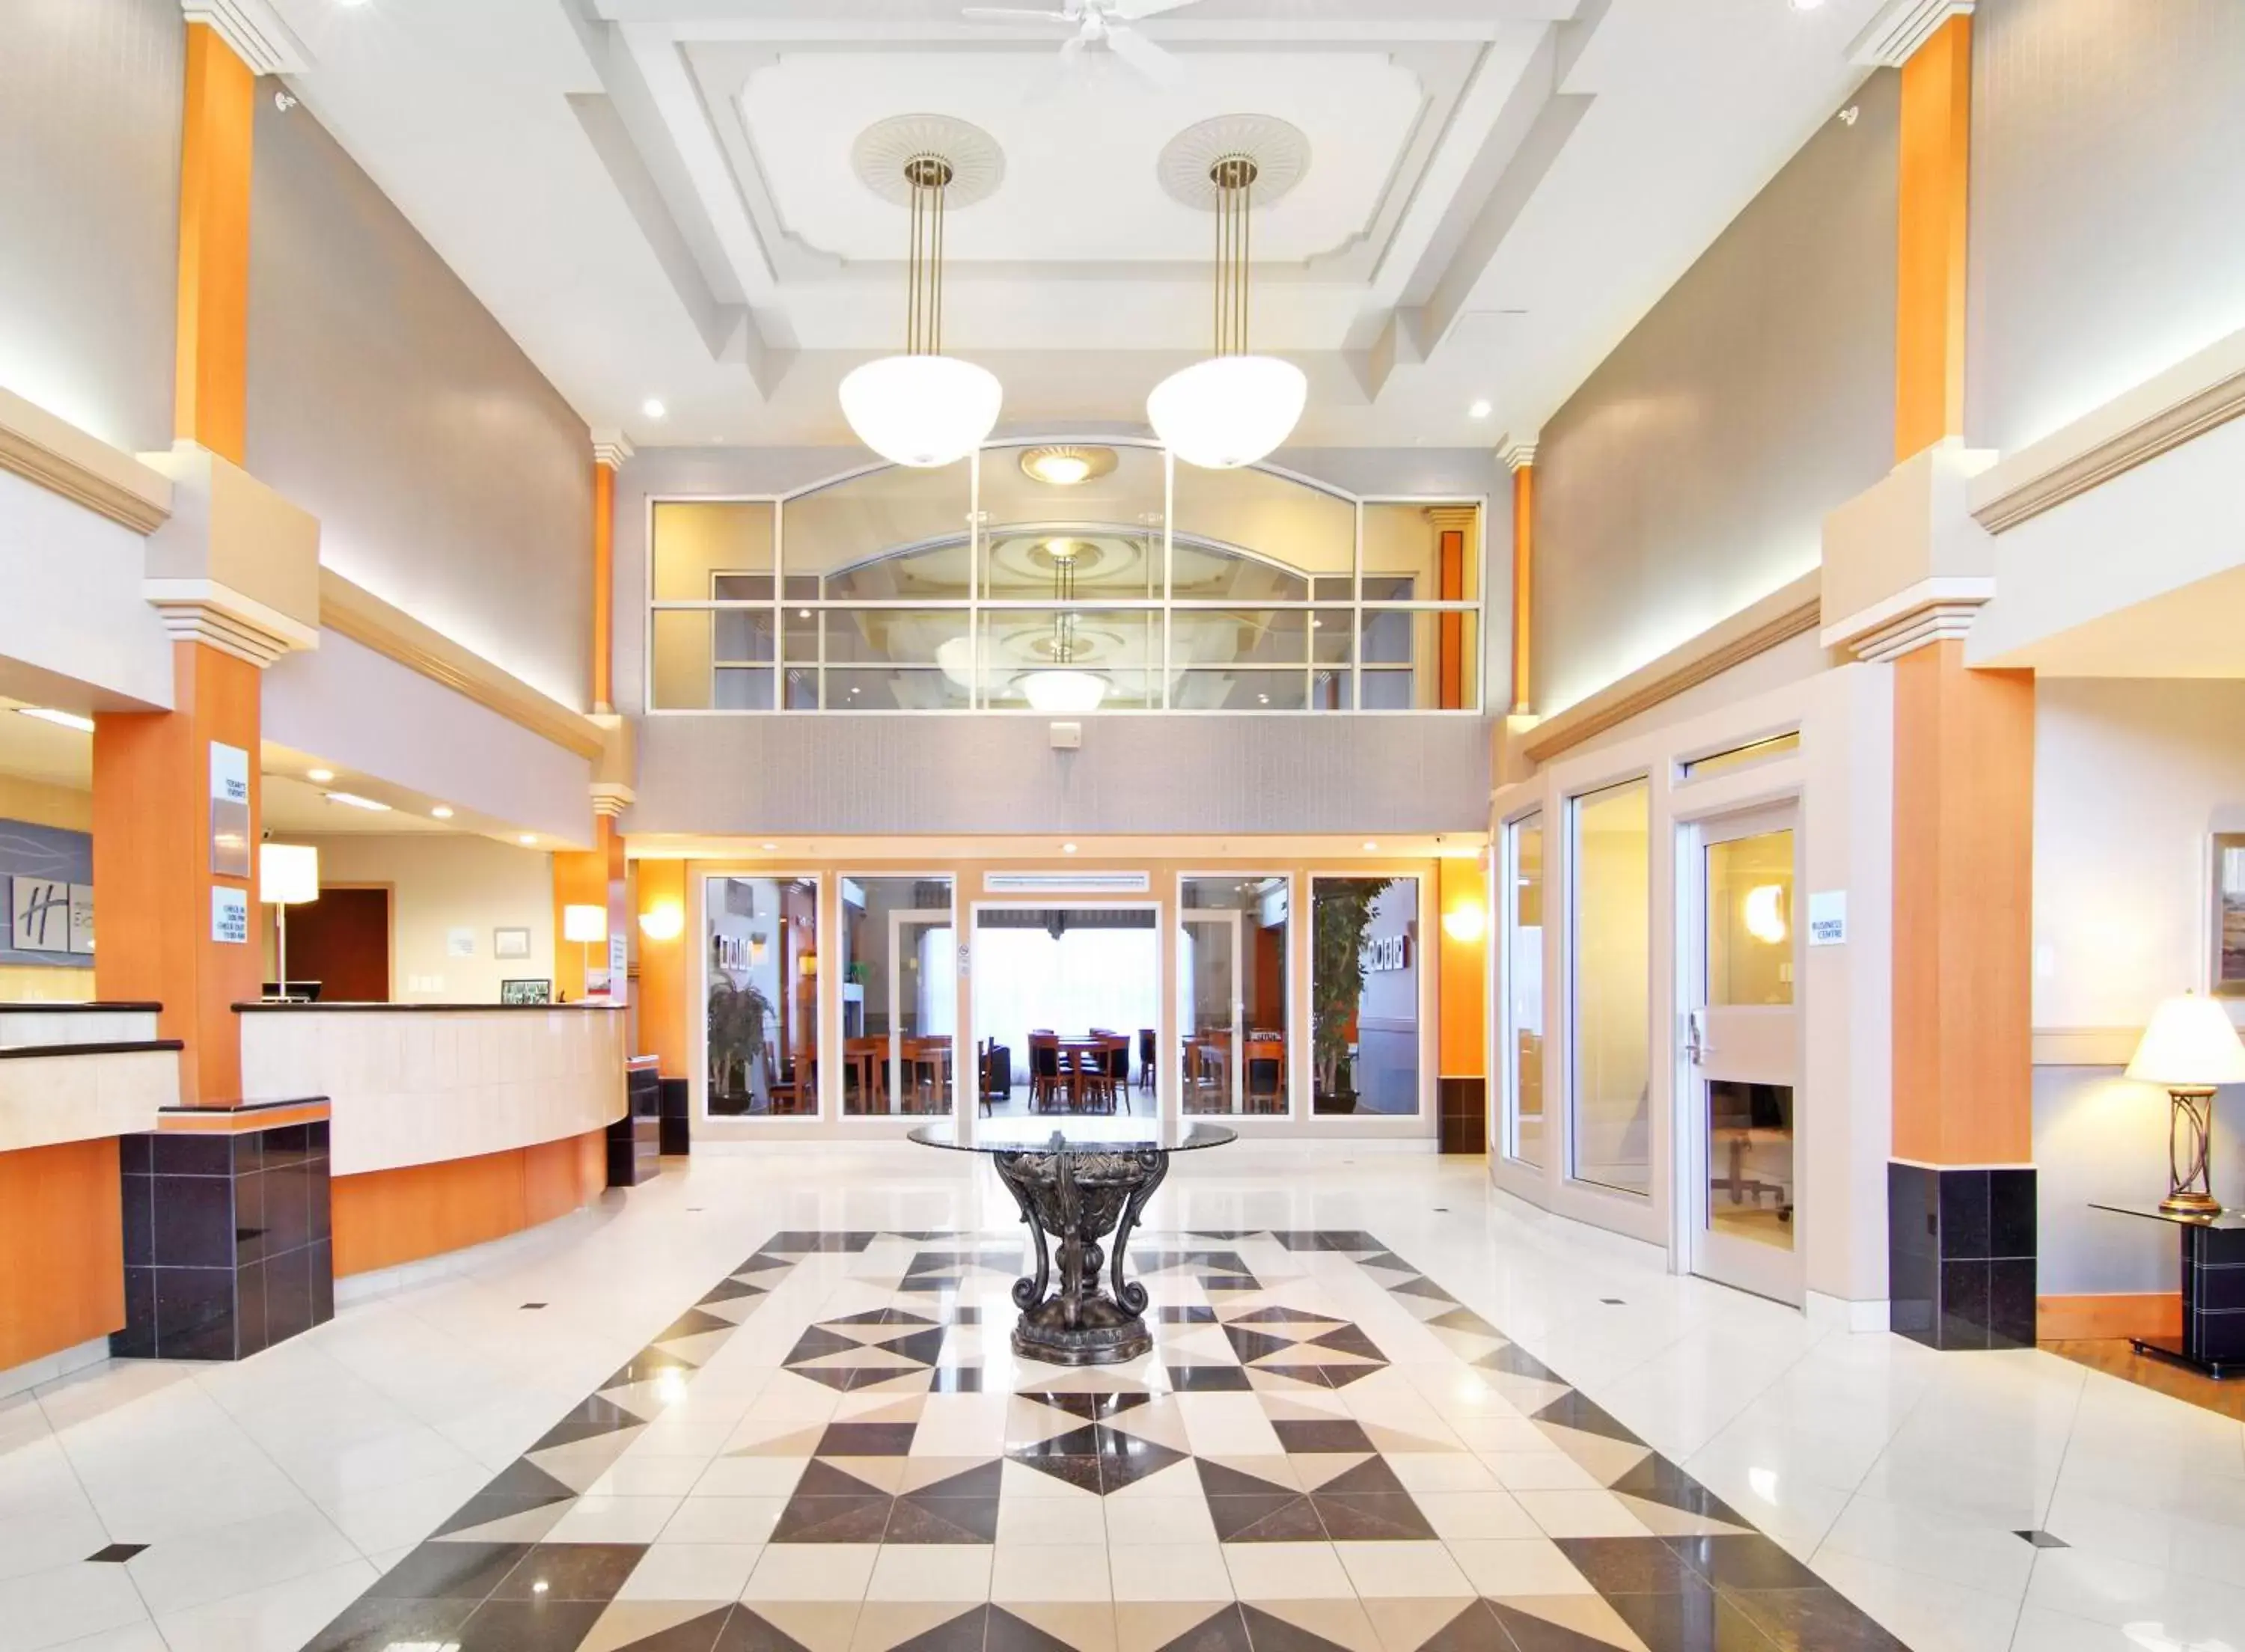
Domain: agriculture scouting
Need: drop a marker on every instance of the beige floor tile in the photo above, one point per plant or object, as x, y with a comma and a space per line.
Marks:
1086, 1626
1287, 1572
818, 1626
1169, 1571
1419, 1570
1343, 1622
931, 1572
811, 1572
629, 1621
883, 1625
1474, 1516
1050, 1572
1519, 1565
750, 1477
691, 1572
1137, 1522
1035, 1521
1404, 1625
1589, 1616
1596, 1513
1441, 1471
1146, 1626
723, 1519
614, 1519
1549, 1470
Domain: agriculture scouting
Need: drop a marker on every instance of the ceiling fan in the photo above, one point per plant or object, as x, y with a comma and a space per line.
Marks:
1101, 26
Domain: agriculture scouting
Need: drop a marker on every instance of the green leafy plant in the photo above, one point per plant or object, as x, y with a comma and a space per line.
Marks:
738, 1016
1340, 916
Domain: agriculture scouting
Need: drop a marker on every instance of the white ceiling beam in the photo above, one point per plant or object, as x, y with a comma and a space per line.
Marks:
254, 32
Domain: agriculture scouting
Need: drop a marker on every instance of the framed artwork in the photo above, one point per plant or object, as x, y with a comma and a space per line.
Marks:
525, 992
2228, 929
509, 943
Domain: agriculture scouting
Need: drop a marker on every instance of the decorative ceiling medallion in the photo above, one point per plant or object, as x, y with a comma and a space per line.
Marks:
883, 150
1064, 467
1278, 148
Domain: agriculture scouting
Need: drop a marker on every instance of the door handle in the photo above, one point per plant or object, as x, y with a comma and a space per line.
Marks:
1695, 1044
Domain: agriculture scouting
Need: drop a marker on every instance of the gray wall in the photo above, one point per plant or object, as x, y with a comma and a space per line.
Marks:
89, 96
2107, 202
448, 476
937, 774
1690, 473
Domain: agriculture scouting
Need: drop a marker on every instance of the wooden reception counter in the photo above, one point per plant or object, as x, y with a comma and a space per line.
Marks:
453, 1123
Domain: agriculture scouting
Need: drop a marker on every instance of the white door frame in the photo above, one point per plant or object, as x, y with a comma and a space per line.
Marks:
901, 919
1224, 918
1765, 1041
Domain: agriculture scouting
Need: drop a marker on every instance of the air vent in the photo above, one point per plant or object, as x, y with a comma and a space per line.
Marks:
1067, 882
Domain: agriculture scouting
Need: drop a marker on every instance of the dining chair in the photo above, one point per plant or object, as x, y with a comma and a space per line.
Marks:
1146, 1072
1266, 1075
1044, 1070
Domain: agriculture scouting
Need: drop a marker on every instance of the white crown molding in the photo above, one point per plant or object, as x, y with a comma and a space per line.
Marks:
59, 456
254, 30
2190, 398
1892, 38
205, 610
1517, 455
611, 799
1935, 610
610, 448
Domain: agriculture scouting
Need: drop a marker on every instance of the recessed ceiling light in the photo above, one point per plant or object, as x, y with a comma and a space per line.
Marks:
1807, 5
1371, 848
653, 409
62, 719
319, 776
771, 849
1064, 467
352, 800
527, 839
1067, 848
1480, 409
443, 811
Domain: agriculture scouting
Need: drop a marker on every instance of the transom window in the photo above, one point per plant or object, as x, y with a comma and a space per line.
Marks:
1141, 586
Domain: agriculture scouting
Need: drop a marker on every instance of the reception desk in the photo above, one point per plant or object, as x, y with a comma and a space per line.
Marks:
451, 1123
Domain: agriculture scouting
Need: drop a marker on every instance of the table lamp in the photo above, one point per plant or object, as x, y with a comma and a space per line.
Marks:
587, 925
2190, 1049
287, 875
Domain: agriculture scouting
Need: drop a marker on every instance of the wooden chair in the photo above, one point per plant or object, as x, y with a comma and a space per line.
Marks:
868, 1062
1146, 1074
1117, 1054
996, 1067
1046, 1083
1266, 1074
927, 1072
798, 1092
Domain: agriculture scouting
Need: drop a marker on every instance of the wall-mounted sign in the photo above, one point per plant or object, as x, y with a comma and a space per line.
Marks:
230, 916
1827, 917
38, 914
229, 818
460, 943
619, 966
732, 952
509, 943
81, 918
1387, 954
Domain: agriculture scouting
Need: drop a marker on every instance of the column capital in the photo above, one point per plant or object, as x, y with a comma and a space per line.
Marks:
253, 31
1892, 38
237, 565
611, 449
1517, 455
611, 798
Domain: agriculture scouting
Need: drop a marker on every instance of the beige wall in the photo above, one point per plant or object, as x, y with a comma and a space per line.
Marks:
440, 881
1689, 477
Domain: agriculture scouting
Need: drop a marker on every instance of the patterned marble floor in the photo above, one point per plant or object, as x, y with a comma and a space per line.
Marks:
836, 1448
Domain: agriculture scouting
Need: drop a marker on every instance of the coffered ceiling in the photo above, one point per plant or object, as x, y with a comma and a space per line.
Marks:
658, 198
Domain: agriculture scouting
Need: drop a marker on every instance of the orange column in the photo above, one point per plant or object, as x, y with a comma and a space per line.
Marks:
663, 1029
160, 923
209, 401
594, 877
1521, 458
1463, 892
604, 591
1935, 146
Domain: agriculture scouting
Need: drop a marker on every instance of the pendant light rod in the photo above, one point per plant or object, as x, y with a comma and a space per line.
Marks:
1234, 178
928, 176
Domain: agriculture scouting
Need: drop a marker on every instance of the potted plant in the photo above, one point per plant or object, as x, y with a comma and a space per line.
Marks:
738, 1016
1341, 913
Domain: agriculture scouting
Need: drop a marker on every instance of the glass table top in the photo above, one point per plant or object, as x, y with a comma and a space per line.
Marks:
1099, 1133
2225, 1221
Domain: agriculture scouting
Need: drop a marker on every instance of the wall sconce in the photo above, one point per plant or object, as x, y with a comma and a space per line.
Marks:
1466, 924
663, 923
806, 965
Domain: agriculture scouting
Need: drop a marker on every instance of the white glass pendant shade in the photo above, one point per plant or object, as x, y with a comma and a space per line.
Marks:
921, 411
1063, 691
1229, 410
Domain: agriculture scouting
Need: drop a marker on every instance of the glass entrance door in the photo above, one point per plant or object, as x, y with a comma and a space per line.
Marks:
920, 1059
1742, 1052
1209, 1011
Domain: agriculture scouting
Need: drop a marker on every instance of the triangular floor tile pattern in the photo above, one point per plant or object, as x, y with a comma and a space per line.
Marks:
888, 1474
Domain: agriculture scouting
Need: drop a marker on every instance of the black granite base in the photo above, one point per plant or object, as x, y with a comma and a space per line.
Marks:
226, 1241
1960, 1254
1464, 1126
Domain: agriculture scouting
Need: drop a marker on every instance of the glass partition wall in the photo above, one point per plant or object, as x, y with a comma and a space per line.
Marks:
1521, 1015
763, 1005
900, 995
1064, 578
1364, 995
1231, 994
1610, 1125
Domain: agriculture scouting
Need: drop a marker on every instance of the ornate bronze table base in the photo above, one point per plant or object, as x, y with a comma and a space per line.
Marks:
1079, 1195
1082, 1182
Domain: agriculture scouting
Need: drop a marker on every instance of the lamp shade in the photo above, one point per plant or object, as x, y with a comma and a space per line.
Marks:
1063, 691
1228, 411
287, 874
2191, 1044
584, 923
921, 411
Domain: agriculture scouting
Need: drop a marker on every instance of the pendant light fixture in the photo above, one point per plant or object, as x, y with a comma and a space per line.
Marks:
1234, 408
1066, 688
922, 409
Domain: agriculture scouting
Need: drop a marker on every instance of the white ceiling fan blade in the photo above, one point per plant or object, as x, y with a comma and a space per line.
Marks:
1013, 14
1148, 60
1132, 10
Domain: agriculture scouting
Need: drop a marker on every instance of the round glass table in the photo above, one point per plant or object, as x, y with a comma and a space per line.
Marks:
1081, 1179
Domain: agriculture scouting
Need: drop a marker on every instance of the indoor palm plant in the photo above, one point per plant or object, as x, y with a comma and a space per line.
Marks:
738, 1016
1340, 915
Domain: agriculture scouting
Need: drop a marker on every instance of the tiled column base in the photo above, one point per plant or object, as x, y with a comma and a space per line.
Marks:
225, 1242
1465, 1115
1960, 1254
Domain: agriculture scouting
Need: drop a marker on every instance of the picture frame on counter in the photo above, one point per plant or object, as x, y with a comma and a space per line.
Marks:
528, 989
510, 943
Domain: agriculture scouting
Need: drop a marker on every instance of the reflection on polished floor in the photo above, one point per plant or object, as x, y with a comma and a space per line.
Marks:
754, 1407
